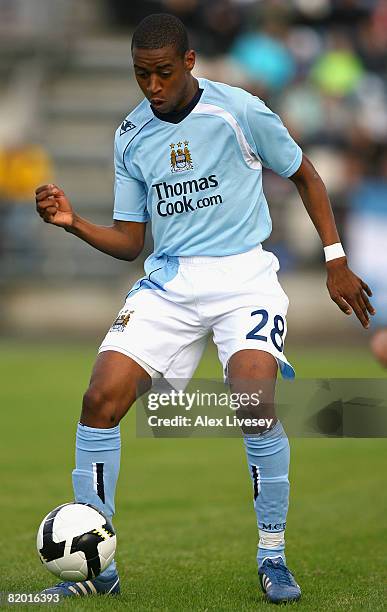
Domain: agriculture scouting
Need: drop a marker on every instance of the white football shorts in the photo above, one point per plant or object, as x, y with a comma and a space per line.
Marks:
169, 314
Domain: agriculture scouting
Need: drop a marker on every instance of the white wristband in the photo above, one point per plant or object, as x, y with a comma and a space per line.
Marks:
334, 251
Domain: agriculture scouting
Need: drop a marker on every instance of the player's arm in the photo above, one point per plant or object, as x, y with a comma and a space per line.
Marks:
346, 289
123, 240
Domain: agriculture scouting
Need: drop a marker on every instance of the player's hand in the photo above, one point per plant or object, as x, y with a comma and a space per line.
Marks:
348, 291
53, 206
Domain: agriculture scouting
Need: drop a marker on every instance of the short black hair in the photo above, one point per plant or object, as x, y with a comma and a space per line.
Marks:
161, 30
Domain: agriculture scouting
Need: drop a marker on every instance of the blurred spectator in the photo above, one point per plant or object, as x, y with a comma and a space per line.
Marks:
221, 22
371, 41
212, 25
21, 169
302, 109
367, 229
266, 61
262, 53
124, 13
313, 9
370, 109
338, 71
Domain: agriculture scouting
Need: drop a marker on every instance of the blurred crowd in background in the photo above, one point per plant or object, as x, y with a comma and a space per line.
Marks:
321, 64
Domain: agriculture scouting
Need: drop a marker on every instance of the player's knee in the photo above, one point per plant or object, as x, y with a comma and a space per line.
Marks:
254, 396
99, 408
254, 404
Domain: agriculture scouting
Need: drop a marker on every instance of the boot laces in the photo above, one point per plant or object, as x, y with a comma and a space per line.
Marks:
279, 573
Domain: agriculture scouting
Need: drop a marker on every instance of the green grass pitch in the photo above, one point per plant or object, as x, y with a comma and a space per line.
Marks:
185, 521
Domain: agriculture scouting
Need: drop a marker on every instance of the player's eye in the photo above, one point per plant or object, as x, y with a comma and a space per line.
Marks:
166, 74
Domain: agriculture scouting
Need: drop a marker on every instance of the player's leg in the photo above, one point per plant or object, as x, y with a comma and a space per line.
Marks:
113, 387
255, 371
115, 383
138, 347
249, 331
252, 371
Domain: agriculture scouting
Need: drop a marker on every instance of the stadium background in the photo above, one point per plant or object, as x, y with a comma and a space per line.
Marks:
66, 83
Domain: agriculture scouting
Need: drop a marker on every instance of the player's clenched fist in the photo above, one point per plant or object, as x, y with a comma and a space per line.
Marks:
53, 206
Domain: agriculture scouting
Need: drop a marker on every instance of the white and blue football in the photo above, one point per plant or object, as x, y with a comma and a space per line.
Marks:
76, 542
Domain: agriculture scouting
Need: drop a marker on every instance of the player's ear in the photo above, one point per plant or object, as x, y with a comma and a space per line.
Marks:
189, 60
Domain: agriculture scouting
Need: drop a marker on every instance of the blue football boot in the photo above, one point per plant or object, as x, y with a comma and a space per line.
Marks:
277, 581
97, 586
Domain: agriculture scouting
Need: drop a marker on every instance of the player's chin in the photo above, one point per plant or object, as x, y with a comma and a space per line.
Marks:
162, 106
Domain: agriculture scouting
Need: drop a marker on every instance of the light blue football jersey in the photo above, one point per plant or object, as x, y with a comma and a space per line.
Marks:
199, 181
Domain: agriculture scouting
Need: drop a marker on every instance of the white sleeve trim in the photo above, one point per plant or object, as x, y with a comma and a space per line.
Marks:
294, 166
130, 216
251, 159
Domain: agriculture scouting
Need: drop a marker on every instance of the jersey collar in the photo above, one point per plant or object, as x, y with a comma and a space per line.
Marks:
178, 116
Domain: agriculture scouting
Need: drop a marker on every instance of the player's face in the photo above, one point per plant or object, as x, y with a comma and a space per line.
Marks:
164, 77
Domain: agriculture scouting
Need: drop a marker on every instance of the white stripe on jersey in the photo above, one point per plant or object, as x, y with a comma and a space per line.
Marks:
249, 156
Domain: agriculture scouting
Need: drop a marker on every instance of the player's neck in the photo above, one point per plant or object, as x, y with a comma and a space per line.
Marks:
176, 116
191, 92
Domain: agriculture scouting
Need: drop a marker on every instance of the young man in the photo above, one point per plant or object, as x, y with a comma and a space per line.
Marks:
189, 159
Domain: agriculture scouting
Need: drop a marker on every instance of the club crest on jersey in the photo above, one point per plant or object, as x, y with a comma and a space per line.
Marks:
122, 320
126, 126
181, 159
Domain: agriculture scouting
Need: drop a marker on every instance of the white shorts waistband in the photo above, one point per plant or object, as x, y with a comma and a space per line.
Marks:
208, 260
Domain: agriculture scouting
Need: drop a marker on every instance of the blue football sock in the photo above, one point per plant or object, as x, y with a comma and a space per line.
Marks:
96, 473
268, 458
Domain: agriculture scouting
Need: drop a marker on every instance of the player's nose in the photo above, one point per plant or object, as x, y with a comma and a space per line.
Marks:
154, 85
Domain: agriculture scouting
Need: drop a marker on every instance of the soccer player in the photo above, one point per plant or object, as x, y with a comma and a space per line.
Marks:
189, 160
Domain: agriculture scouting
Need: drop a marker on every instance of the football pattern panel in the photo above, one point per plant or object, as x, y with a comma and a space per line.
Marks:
50, 549
76, 541
88, 544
